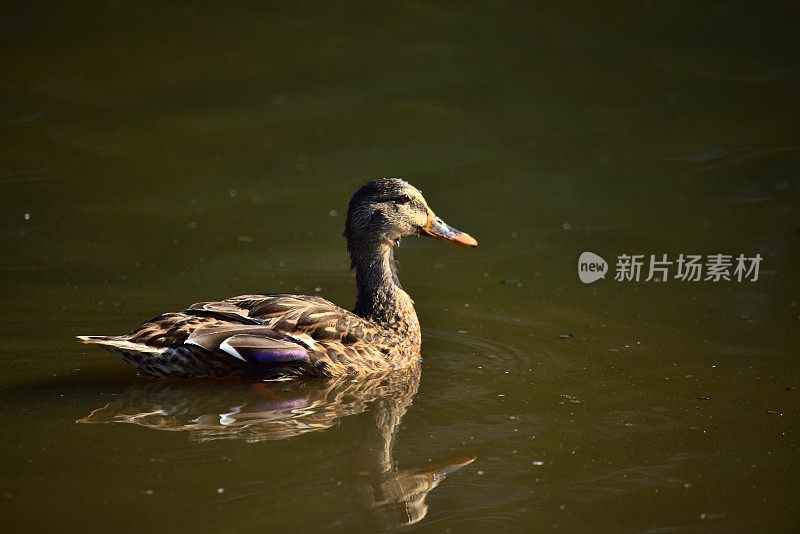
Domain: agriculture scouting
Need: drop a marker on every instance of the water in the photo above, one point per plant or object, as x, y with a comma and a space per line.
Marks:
154, 156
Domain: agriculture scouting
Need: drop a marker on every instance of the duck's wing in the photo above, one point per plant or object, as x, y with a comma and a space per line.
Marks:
295, 315
250, 343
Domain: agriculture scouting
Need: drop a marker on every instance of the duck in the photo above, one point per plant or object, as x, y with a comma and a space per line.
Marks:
286, 336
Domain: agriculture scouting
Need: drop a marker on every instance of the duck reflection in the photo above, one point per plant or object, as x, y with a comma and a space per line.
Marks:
259, 411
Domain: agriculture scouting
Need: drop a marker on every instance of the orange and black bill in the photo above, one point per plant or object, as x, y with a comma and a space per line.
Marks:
439, 229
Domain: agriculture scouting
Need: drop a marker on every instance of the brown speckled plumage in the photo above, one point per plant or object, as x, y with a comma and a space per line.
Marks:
284, 336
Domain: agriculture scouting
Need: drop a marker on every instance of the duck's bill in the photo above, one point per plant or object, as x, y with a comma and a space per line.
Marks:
441, 230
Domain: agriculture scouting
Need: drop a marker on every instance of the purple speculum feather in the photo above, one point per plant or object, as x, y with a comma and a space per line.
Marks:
266, 356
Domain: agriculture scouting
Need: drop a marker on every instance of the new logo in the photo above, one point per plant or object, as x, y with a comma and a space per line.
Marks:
591, 267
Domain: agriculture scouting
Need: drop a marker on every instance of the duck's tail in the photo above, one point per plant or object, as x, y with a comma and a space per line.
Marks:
96, 340
145, 358
120, 344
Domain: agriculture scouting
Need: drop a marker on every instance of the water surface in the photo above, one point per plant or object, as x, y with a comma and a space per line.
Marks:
154, 156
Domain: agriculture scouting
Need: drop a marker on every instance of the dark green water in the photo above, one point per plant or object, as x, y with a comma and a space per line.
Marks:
166, 155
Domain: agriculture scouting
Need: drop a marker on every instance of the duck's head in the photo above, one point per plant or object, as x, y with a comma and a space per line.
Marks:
389, 209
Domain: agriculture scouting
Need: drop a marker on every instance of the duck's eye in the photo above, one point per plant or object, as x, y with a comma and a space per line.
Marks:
402, 199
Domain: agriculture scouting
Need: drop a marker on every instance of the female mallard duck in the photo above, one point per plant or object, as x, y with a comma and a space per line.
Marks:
285, 336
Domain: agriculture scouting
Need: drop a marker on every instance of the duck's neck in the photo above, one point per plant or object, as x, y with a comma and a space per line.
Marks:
380, 296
